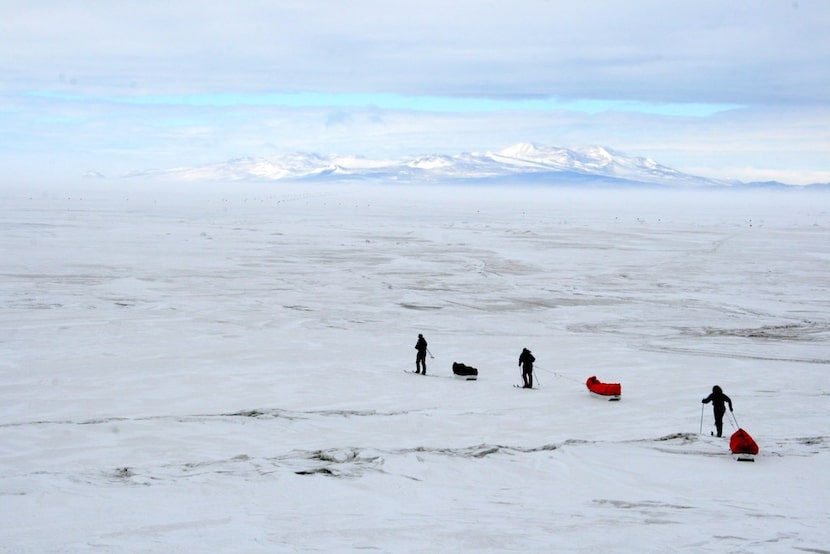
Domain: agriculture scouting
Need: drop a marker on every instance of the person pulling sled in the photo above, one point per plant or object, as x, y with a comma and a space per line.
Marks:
526, 360
421, 356
719, 401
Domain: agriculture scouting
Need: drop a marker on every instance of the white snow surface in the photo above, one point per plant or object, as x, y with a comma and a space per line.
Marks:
220, 368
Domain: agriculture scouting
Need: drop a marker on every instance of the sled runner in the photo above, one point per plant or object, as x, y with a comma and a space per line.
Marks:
743, 446
608, 391
464, 372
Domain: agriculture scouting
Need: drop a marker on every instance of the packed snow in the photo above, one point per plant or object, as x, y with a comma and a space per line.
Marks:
221, 368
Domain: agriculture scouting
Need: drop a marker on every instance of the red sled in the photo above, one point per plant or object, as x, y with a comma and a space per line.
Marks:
609, 391
743, 446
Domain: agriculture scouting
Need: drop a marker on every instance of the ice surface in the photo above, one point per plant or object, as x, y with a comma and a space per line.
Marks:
220, 369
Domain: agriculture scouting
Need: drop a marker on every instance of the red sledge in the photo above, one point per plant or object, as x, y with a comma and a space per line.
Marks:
608, 391
743, 446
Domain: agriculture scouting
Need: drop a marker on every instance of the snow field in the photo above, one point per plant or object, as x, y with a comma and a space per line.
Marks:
221, 368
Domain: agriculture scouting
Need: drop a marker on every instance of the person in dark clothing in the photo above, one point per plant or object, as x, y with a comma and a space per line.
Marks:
718, 400
421, 356
526, 360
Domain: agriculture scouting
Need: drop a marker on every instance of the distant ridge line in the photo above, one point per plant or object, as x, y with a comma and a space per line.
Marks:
524, 162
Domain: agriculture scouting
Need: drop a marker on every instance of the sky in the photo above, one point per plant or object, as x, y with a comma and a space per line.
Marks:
736, 89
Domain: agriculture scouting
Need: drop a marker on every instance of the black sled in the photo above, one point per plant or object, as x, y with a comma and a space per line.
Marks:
464, 372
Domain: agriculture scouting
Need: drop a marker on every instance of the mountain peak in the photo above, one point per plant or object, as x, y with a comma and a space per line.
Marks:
524, 161
521, 150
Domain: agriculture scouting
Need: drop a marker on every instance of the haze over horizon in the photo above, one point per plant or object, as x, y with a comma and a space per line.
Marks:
725, 91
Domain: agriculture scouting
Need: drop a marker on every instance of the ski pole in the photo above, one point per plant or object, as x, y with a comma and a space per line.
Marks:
536, 376
430, 354
701, 418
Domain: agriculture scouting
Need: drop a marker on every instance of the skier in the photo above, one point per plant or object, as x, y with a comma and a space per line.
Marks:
526, 360
421, 356
717, 398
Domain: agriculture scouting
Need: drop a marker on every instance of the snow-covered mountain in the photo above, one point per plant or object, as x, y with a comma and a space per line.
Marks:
520, 162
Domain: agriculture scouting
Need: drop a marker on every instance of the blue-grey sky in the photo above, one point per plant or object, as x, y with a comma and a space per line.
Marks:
722, 88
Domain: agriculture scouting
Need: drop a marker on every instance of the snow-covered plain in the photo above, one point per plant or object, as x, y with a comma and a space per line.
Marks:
220, 369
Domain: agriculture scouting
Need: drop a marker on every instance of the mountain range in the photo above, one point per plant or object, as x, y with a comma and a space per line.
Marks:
523, 162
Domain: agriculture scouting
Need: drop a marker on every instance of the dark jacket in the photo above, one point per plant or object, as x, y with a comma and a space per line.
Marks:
421, 345
526, 360
717, 398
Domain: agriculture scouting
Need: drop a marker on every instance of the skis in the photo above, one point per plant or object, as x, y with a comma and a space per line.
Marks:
524, 387
423, 374
458, 377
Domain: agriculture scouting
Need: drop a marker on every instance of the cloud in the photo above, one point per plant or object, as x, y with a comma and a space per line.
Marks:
648, 51
338, 117
697, 81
